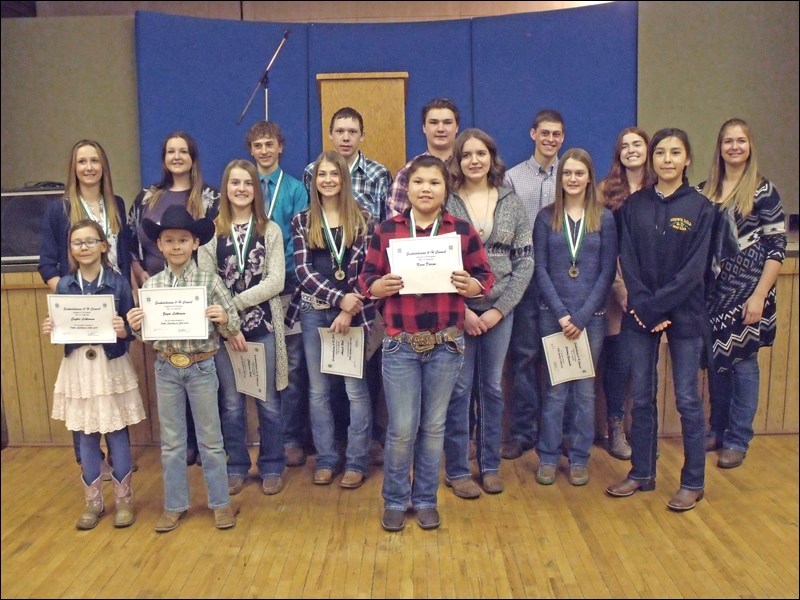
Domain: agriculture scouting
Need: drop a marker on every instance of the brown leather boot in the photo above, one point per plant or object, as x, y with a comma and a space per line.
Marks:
94, 504
123, 498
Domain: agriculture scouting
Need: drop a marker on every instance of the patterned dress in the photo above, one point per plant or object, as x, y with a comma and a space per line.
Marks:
762, 237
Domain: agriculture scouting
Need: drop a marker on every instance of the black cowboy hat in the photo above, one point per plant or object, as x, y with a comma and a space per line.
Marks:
177, 217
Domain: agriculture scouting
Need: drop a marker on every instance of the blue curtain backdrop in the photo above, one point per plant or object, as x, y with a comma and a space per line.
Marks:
197, 74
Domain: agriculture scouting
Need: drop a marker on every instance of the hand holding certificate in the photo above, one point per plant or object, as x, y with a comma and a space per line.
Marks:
174, 313
568, 360
250, 370
342, 353
80, 319
426, 263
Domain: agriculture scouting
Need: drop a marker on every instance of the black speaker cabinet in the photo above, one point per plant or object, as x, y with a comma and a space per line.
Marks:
21, 224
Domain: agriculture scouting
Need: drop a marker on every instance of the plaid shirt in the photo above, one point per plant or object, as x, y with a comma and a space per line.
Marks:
371, 182
431, 312
314, 283
216, 293
397, 202
533, 184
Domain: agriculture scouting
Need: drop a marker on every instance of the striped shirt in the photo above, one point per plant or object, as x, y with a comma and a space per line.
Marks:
371, 182
216, 293
430, 312
533, 184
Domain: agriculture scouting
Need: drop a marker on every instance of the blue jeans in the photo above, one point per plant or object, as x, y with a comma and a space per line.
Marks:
294, 398
484, 356
525, 350
197, 383
578, 395
734, 402
322, 426
233, 416
685, 354
119, 447
418, 387
616, 371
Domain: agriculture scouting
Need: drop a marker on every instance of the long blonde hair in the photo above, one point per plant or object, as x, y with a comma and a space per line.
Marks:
742, 197
592, 206
351, 217
223, 223
73, 194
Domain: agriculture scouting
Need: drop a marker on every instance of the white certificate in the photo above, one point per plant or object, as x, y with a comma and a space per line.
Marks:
176, 313
342, 353
568, 360
426, 263
82, 319
250, 370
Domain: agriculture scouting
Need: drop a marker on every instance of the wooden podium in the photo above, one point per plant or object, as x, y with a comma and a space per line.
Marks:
381, 100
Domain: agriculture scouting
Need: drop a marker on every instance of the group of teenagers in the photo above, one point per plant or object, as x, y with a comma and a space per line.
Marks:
546, 248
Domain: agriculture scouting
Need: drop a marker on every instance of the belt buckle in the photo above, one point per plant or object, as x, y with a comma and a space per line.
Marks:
181, 360
423, 341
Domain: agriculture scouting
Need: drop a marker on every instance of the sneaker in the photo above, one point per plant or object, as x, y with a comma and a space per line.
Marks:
225, 518
579, 474
352, 480
295, 456
375, 453
546, 475
168, 520
271, 485
235, 484
323, 476
464, 487
492, 483
618, 446
428, 518
393, 519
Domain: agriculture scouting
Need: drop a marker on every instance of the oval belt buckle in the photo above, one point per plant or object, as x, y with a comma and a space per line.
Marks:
423, 341
91, 354
180, 360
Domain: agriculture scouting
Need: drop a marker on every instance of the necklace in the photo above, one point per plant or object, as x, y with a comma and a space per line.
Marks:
481, 225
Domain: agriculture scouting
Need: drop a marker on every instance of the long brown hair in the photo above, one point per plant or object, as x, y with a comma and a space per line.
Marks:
73, 194
194, 201
351, 216
496, 169
223, 223
742, 197
593, 208
101, 235
615, 188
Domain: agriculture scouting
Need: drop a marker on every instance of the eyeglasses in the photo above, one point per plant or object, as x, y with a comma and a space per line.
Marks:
88, 243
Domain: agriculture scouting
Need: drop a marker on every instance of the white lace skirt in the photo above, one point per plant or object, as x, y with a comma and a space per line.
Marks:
97, 395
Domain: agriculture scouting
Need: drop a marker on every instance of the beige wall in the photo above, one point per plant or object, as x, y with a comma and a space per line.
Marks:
64, 78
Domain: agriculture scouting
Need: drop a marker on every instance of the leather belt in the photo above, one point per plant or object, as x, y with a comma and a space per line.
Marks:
181, 360
425, 341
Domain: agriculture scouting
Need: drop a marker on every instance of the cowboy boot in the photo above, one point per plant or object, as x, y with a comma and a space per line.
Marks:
123, 498
94, 504
617, 444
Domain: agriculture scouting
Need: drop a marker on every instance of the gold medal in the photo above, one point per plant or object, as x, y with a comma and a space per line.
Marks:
91, 354
339, 274
573, 271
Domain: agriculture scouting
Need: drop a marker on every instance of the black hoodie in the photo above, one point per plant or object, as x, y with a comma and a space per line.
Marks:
664, 254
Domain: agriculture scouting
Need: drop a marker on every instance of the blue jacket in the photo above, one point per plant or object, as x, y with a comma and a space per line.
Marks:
53, 258
114, 284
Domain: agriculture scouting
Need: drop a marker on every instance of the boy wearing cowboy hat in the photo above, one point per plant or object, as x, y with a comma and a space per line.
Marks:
184, 370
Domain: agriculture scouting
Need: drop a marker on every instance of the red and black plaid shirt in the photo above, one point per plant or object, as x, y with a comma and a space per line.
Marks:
430, 312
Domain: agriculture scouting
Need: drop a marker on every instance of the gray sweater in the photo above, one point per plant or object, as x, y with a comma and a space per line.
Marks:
509, 250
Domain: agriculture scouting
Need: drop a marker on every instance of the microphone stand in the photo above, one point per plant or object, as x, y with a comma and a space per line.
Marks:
264, 80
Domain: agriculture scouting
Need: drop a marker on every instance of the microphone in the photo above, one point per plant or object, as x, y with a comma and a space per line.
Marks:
286, 33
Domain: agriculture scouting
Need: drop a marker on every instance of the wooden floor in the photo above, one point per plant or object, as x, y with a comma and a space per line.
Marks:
325, 542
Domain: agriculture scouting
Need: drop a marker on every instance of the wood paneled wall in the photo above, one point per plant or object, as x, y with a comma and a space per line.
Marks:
30, 365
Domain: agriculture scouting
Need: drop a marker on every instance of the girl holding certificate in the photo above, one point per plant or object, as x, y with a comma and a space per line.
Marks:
575, 245
424, 345
330, 243
97, 391
503, 226
247, 253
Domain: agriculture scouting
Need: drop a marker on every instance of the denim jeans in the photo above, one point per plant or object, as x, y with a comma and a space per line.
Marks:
578, 395
616, 371
525, 350
484, 356
418, 386
322, 426
294, 398
734, 402
233, 416
197, 383
685, 354
119, 447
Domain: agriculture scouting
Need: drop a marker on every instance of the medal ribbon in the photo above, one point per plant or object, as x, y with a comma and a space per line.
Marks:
434, 229
241, 253
336, 253
274, 195
99, 279
574, 245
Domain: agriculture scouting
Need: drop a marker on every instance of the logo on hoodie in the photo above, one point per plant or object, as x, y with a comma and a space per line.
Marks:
680, 224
